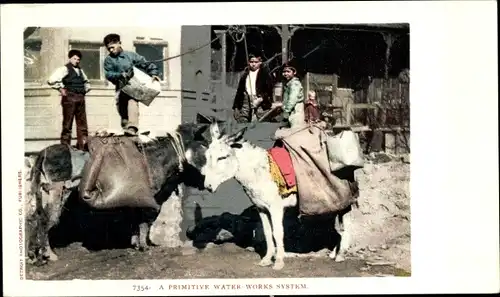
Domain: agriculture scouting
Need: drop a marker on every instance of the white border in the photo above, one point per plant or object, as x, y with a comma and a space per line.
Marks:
454, 171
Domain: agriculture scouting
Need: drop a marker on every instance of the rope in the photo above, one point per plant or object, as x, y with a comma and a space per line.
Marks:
185, 53
179, 149
231, 30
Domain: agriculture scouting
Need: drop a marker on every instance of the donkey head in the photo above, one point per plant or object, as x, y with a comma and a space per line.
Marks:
221, 162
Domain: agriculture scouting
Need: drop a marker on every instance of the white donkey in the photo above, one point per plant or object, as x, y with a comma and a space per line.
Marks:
231, 156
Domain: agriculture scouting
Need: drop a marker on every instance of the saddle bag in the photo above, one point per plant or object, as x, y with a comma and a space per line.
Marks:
344, 150
116, 175
319, 190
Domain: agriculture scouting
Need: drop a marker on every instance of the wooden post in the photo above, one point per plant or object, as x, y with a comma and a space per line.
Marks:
286, 33
390, 143
389, 41
348, 114
307, 82
223, 78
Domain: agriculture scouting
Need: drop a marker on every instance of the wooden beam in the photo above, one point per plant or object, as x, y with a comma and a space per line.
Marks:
367, 128
389, 41
285, 36
348, 114
286, 32
363, 106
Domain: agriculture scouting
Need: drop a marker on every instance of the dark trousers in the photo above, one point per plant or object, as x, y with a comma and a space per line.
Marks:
73, 107
128, 108
247, 112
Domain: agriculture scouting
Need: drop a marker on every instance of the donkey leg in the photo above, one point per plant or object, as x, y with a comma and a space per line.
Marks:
136, 230
54, 210
340, 252
277, 212
266, 225
143, 236
134, 241
49, 253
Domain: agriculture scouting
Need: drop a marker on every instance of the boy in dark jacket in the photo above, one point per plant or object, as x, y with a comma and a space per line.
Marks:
255, 91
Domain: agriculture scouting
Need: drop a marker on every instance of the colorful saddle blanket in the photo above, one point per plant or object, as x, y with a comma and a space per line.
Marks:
282, 171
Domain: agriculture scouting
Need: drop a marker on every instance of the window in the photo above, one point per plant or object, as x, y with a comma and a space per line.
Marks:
32, 62
154, 52
92, 61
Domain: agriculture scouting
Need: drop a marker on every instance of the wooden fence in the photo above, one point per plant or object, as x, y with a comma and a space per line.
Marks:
382, 105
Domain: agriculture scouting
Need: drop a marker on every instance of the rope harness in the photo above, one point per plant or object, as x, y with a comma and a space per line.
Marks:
178, 146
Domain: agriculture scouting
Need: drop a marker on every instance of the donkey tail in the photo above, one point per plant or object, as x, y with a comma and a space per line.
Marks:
40, 217
35, 177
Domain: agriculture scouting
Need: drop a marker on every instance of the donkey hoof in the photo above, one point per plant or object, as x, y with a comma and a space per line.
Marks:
87, 195
265, 262
143, 247
48, 254
53, 257
278, 265
134, 241
339, 258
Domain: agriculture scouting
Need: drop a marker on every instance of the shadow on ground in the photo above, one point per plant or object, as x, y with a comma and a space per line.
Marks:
302, 235
95, 229
104, 229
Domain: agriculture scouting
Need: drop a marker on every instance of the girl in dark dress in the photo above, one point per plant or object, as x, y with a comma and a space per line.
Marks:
311, 110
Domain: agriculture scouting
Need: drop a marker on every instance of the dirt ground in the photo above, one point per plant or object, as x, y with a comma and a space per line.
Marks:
224, 261
381, 245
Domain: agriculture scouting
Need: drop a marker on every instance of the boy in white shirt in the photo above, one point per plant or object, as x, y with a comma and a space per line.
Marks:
255, 91
73, 85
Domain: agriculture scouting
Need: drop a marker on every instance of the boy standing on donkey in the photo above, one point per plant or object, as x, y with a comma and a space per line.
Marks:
118, 68
73, 85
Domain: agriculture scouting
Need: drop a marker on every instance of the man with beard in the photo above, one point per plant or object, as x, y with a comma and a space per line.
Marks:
118, 68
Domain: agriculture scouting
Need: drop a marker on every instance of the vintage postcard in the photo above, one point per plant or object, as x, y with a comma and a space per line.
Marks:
247, 148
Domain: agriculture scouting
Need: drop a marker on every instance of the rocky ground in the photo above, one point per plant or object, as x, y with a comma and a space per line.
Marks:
381, 244
383, 222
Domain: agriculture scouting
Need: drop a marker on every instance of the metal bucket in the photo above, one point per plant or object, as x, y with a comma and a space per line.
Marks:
142, 88
278, 92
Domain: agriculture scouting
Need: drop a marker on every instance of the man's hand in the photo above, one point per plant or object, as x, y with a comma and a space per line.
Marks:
63, 92
257, 101
277, 104
128, 74
155, 78
285, 115
236, 113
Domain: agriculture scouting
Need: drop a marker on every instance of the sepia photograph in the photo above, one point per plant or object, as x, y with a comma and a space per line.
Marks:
217, 151
212, 153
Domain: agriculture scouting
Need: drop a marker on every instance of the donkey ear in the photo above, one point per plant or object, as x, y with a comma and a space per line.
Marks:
199, 134
212, 119
238, 136
214, 130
